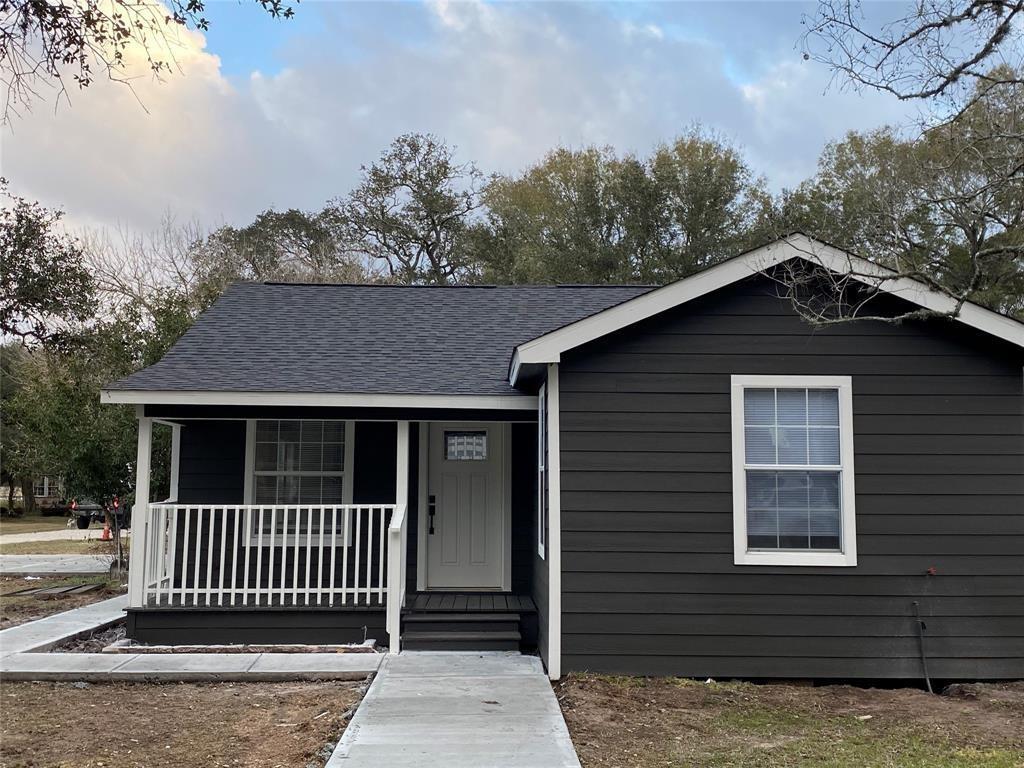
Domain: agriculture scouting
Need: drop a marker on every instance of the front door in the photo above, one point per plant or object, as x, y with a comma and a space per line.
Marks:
467, 534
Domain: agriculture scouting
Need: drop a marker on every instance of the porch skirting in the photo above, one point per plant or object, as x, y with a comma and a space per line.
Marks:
202, 626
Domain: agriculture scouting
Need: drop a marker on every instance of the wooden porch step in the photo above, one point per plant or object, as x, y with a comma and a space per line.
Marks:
460, 641
462, 622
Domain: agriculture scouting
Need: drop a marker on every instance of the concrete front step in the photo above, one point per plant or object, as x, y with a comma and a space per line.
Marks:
460, 641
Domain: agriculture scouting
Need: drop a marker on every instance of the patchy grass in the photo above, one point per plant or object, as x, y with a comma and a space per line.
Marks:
668, 722
61, 547
31, 524
186, 725
18, 610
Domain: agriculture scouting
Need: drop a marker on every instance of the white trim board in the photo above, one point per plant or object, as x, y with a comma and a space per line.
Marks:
554, 527
549, 347
317, 399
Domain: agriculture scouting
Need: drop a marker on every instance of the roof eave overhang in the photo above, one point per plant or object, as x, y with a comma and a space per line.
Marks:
549, 347
319, 399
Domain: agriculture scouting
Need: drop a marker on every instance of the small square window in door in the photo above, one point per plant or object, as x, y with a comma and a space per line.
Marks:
465, 445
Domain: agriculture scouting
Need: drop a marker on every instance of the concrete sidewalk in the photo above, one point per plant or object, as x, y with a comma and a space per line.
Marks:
188, 667
53, 565
64, 534
461, 710
43, 634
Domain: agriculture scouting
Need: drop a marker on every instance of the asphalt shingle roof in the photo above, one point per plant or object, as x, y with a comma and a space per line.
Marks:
261, 337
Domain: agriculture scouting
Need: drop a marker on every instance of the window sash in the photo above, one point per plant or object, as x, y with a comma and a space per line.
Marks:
318, 434
817, 411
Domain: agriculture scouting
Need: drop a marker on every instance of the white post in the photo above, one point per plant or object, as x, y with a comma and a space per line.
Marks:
175, 460
140, 516
402, 464
396, 570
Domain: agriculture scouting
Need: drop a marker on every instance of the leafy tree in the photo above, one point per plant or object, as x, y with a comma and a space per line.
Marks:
285, 246
940, 208
20, 460
44, 285
940, 201
411, 211
48, 42
592, 216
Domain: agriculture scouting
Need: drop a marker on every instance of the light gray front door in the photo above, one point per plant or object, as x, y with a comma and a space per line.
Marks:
467, 536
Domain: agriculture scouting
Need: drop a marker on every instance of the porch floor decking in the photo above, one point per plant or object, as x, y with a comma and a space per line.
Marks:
469, 602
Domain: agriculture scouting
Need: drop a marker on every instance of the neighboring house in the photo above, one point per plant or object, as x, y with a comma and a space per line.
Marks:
687, 480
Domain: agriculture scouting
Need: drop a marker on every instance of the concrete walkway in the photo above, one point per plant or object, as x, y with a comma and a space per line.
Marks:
63, 534
188, 667
459, 710
43, 634
53, 565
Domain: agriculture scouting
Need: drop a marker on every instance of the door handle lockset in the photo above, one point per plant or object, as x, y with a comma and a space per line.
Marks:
431, 510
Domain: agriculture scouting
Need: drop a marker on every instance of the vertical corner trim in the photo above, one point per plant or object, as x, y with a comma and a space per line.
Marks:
554, 543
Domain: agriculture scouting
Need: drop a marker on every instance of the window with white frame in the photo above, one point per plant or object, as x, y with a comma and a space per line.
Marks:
298, 463
541, 462
793, 491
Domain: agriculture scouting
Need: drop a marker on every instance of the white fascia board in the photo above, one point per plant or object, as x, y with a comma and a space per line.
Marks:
321, 400
548, 348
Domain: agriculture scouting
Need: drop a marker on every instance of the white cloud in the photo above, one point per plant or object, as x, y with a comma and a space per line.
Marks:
504, 83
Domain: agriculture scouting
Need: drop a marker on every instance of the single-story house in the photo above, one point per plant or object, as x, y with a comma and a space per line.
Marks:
687, 480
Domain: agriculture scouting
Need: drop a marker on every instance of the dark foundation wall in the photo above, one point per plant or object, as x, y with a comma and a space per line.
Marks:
649, 584
210, 626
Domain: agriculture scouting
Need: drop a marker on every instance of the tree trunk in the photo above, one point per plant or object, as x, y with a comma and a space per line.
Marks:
28, 498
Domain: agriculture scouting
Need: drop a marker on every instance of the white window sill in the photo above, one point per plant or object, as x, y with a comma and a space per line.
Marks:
822, 559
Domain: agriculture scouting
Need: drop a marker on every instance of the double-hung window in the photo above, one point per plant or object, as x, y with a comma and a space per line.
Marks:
300, 463
793, 490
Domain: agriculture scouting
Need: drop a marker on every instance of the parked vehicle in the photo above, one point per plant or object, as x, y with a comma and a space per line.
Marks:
87, 511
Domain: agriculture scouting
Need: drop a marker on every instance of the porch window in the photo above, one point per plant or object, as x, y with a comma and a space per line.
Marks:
465, 446
297, 463
793, 471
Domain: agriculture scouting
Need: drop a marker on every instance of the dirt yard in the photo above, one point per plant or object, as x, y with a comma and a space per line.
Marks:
657, 723
18, 610
184, 725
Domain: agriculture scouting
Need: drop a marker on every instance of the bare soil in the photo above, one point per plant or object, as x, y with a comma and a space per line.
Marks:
668, 722
184, 725
18, 610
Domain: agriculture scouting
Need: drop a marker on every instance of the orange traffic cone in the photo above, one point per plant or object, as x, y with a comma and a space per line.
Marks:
106, 532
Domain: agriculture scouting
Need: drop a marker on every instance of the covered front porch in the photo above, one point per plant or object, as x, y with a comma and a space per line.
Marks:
281, 527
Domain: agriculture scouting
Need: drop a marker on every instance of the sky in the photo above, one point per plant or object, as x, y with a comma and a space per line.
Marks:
267, 113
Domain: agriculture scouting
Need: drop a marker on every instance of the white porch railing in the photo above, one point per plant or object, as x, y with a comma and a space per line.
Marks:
397, 537
202, 555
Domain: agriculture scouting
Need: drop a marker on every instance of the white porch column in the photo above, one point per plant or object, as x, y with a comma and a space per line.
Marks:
402, 464
397, 550
140, 515
175, 460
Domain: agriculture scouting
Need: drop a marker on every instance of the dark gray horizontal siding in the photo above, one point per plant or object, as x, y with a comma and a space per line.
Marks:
649, 584
211, 466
